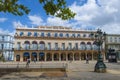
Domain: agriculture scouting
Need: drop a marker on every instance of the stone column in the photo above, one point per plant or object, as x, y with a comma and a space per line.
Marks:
73, 57
66, 56
52, 56
37, 56
80, 56
59, 56
45, 56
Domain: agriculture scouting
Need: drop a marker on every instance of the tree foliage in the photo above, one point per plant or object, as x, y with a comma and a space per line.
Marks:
11, 6
56, 8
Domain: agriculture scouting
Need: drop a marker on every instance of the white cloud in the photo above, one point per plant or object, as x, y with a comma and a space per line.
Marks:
103, 14
54, 21
36, 20
93, 14
18, 24
112, 28
3, 19
3, 31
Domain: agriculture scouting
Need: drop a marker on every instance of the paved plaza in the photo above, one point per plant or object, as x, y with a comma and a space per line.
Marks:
78, 70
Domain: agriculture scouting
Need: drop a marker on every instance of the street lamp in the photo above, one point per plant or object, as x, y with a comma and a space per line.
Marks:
99, 38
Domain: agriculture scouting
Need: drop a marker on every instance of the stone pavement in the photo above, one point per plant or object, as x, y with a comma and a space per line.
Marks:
78, 70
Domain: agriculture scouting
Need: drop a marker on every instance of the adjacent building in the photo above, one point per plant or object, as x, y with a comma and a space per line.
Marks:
6, 46
54, 43
113, 42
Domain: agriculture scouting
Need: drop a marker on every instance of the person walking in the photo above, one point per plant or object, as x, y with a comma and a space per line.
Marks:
28, 62
87, 60
34, 60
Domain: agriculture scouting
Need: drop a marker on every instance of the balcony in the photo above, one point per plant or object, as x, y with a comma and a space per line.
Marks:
57, 49
52, 37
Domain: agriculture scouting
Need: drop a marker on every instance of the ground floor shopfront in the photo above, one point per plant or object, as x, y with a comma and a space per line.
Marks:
55, 55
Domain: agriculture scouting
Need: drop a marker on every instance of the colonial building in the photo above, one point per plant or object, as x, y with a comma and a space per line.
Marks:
113, 42
54, 43
6, 46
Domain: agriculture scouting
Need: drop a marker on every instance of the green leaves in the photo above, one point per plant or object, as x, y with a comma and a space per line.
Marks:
13, 7
57, 8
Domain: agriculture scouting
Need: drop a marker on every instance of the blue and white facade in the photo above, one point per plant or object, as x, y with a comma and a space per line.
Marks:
6, 46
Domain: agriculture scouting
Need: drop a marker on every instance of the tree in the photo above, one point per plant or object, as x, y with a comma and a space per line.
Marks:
56, 8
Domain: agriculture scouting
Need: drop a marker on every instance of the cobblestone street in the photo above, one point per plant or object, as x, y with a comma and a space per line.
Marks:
76, 71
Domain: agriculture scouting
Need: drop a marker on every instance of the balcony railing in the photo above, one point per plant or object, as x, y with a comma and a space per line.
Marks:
74, 48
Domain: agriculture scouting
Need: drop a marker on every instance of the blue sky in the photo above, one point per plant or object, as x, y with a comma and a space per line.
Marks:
91, 14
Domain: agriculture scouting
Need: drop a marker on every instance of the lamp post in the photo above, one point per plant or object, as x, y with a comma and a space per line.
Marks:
99, 38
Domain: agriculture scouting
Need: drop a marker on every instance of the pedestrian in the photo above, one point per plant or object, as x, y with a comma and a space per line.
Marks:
34, 60
87, 60
28, 62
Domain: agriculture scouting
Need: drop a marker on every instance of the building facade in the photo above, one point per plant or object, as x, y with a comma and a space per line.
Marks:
54, 43
6, 46
113, 42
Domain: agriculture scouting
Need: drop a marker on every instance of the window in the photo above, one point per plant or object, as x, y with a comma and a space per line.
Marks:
2, 46
48, 34
56, 46
69, 46
18, 45
29, 33
67, 35
2, 38
116, 39
76, 46
110, 39
35, 34
42, 45
89, 35
78, 35
61, 34
56, 35
84, 35
42, 34
73, 35
63, 46
49, 46
34, 45
21, 33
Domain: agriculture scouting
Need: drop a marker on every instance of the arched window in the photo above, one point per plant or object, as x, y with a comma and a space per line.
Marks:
21, 33
63, 56
29, 33
84, 35
82, 46
78, 35
56, 35
61, 34
56, 57
41, 56
27, 45
73, 35
34, 56
48, 34
17, 57
26, 56
94, 46
42, 34
35, 34
88, 46
67, 35
42, 45
34, 45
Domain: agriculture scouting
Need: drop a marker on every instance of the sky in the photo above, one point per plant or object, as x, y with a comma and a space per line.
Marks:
90, 15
